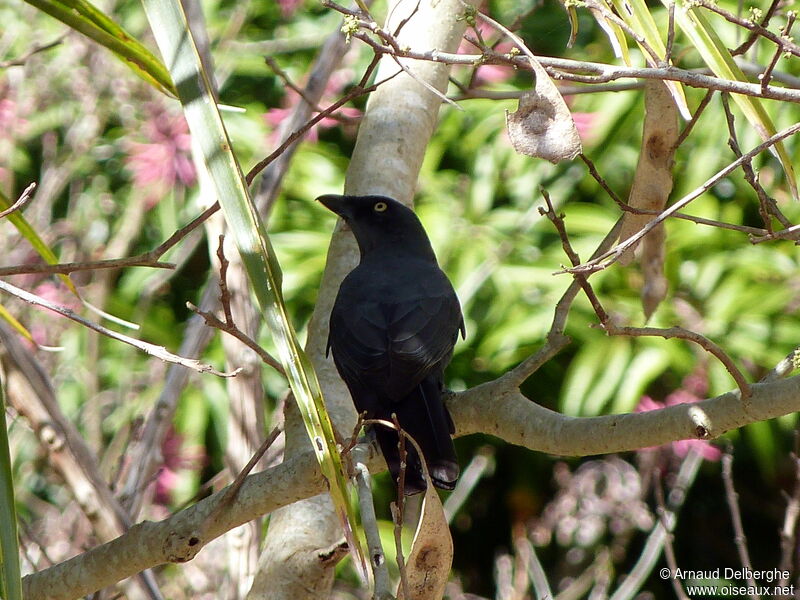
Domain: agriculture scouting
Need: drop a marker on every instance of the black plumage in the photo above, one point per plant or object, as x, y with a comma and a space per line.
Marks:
393, 326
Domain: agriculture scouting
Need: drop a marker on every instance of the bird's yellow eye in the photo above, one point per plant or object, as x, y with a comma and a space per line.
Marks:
380, 206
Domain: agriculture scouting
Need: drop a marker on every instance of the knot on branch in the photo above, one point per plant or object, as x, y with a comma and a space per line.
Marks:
181, 547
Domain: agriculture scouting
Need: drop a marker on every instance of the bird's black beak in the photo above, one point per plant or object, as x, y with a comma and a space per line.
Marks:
335, 203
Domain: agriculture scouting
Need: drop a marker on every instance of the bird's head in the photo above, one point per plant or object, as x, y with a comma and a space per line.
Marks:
380, 222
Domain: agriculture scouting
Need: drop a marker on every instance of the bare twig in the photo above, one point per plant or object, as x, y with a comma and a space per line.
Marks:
284, 76
602, 182
669, 550
570, 70
670, 35
24, 198
695, 117
789, 528
753, 231
608, 258
148, 259
767, 75
18, 62
739, 538
612, 329
224, 292
784, 44
359, 90
766, 205
233, 489
230, 328
152, 349
751, 39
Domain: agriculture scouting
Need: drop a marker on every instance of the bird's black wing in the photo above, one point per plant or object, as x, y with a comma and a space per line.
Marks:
389, 343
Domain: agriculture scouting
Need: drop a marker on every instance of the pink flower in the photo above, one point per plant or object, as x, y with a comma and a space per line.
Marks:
165, 159
694, 387
585, 123
333, 90
487, 74
288, 7
176, 458
12, 122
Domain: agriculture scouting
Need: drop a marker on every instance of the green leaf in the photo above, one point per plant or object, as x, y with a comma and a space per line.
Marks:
225, 178
38, 244
84, 17
638, 17
718, 58
10, 579
615, 35
18, 327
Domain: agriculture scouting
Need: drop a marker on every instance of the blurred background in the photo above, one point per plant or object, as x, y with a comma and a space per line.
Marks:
112, 159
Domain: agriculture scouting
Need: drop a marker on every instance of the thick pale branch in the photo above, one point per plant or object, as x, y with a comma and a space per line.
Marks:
494, 408
497, 410
570, 70
180, 537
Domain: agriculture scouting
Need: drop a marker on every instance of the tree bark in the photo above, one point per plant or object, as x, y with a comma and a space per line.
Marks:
400, 117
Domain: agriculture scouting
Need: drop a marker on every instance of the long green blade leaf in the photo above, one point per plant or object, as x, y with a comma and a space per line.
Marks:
10, 579
38, 244
175, 41
714, 53
84, 17
638, 17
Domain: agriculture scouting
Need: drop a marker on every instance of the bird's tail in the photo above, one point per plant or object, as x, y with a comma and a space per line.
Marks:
423, 416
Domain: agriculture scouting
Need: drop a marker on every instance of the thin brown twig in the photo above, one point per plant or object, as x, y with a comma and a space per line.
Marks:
790, 233
18, 62
231, 329
608, 258
752, 231
229, 326
399, 506
555, 340
739, 538
602, 182
224, 292
355, 92
23, 199
152, 349
789, 528
670, 34
148, 259
766, 205
612, 329
785, 44
766, 76
669, 549
284, 76
563, 69
751, 39
695, 117
681, 333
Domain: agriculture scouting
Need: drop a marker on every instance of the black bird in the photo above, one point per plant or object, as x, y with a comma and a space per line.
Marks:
392, 330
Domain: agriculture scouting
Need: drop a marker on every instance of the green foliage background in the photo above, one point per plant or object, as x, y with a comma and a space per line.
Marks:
479, 202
